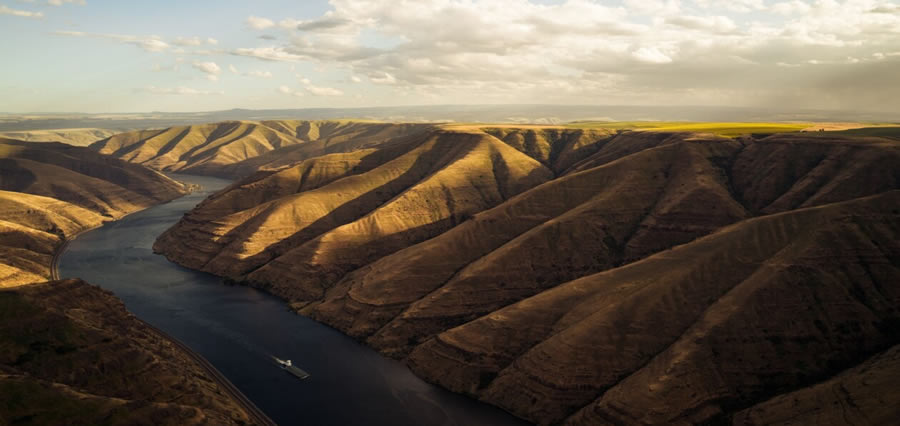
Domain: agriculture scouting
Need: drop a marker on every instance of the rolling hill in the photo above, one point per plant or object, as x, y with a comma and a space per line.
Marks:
51, 191
584, 275
239, 148
77, 137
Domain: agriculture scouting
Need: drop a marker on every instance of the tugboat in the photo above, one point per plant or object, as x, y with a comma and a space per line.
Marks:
286, 365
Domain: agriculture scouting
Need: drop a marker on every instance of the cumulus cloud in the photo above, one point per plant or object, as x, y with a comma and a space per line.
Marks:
287, 90
276, 54
651, 55
258, 23
21, 13
324, 91
194, 41
211, 69
687, 50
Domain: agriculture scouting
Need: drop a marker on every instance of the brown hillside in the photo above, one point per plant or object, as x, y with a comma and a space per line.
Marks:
50, 328
866, 394
238, 148
545, 270
761, 307
51, 191
440, 180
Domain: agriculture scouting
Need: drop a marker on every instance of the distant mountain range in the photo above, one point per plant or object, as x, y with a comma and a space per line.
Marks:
546, 114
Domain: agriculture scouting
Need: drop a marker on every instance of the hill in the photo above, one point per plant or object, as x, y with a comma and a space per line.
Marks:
51, 191
231, 148
557, 272
77, 137
72, 354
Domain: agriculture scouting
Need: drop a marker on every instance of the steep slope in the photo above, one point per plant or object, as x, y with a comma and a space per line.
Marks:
625, 210
760, 307
231, 148
31, 229
866, 394
545, 270
576, 225
315, 236
51, 191
556, 148
72, 354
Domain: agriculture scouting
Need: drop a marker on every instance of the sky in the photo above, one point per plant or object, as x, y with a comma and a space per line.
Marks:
180, 56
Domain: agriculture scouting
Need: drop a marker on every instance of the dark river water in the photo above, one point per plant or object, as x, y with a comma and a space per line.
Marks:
238, 328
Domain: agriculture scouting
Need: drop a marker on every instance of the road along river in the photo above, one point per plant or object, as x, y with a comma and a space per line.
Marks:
238, 329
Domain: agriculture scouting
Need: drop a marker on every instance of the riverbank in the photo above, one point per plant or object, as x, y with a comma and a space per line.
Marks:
255, 413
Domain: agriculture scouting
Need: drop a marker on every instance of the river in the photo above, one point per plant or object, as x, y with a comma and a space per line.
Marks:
238, 328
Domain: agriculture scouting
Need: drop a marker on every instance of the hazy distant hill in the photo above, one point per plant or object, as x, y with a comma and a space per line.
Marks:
585, 276
541, 114
77, 137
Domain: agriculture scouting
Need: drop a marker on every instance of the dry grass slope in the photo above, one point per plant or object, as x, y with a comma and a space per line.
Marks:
582, 275
51, 191
239, 148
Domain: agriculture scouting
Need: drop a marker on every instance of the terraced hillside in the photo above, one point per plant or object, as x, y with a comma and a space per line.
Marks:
239, 148
72, 354
51, 191
585, 276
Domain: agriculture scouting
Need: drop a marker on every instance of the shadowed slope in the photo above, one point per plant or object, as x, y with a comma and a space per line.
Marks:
459, 252
72, 354
441, 180
51, 191
866, 394
556, 148
523, 246
697, 308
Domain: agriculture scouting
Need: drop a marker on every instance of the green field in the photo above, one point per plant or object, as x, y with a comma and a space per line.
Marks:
721, 129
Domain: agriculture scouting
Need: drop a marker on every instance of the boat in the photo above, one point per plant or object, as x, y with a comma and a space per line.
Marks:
288, 366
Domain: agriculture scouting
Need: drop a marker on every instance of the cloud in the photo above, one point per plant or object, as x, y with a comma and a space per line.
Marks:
22, 13
289, 91
211, 69
324, 91
233, 69
181, 90
267, 37
194, 41
258, 23
651, 55
631, 51
326, 23
62, 2
148, 43
714, 24
278, 54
